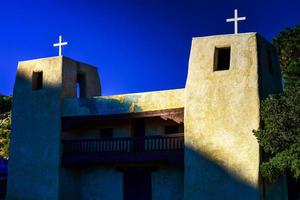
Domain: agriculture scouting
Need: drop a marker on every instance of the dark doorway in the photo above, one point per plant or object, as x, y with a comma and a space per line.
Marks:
138, 131
138, 127
293, 188
137, 184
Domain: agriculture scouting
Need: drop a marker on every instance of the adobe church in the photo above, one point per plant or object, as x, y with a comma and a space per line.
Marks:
190, 143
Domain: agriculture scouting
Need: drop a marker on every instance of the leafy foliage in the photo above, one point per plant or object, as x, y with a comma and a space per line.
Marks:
5, 125
5, 104
279, 133
288, 46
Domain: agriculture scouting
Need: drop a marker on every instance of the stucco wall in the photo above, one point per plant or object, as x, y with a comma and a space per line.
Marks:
121, 128
34, 162
70, 184
221, 110
136, 102
91, 83
167, 183
101, 183
33, 171
106, 183
92, 183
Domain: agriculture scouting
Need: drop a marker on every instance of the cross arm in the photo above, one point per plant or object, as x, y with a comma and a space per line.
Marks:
241, 18
230, 20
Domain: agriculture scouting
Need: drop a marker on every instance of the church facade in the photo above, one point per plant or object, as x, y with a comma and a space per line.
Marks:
69, 142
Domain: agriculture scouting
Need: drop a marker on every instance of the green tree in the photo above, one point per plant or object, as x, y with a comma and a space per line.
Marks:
288, 45
279, 133
5, 125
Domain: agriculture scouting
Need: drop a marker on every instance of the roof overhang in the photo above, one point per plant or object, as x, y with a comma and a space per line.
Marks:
75, 122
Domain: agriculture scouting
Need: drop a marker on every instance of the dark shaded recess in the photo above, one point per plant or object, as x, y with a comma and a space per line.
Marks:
106, 133
137, 184
81, 81
167, 149
215, 182
222, 59
138, 127
293, 188
171, 129
3, 184
88, 121
138, 130
37, 80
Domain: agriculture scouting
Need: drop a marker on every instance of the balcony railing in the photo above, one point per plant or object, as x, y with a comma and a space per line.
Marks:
167, 148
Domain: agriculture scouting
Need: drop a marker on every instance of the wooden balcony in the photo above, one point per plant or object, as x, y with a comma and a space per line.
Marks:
130, 150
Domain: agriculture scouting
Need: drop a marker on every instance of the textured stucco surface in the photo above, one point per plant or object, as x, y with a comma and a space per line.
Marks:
92, 183
167, 183
221, 110
121, 128
33, 171
106, 183
101, 183
70, 184
70, 70
136, 102
34, 165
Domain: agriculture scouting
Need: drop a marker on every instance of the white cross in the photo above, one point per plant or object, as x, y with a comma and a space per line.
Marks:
59, 45
235, 20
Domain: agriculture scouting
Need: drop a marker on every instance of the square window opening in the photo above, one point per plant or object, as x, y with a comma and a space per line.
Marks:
222, 58
37, 80
81, 85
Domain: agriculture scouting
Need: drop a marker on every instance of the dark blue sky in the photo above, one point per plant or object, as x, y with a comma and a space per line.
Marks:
136, 45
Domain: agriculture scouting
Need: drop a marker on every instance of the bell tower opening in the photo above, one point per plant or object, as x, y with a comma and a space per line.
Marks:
37, 80
222, 58
81, 85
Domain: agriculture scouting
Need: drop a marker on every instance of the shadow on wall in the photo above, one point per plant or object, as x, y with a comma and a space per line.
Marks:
36, 115
205, 179
101, 105
109, 105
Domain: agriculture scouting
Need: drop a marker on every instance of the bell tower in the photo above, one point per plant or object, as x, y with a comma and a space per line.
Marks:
39, 90
228, 77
